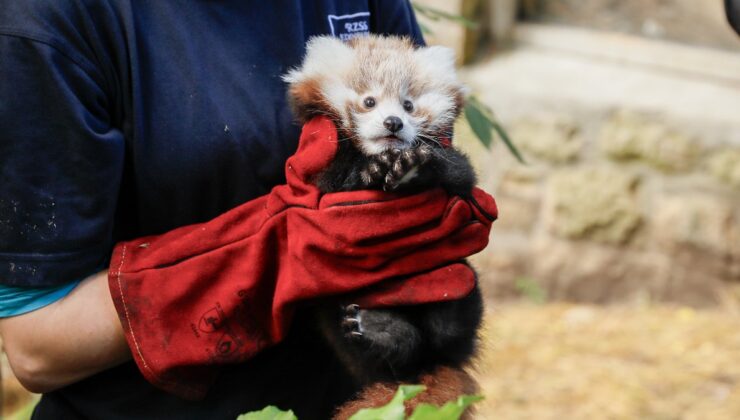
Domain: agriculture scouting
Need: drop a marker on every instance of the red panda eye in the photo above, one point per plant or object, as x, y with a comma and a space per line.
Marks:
408, 106
369, 102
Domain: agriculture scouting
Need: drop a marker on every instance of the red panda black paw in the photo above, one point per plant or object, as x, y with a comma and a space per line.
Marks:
374, 172
351, 322
394, 167
373, 334
405, 165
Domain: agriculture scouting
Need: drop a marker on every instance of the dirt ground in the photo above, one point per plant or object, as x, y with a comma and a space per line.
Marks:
563, 361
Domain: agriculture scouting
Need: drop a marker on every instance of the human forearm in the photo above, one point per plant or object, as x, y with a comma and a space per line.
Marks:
68, 340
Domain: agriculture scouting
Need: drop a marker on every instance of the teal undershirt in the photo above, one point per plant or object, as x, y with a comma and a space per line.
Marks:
20, 300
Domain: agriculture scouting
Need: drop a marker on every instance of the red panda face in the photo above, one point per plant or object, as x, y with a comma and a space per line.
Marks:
381, 91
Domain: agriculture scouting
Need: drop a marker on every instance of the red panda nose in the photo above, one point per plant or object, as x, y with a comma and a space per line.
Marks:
393, 124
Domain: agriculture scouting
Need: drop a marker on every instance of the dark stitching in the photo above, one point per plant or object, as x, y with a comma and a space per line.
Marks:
355, 203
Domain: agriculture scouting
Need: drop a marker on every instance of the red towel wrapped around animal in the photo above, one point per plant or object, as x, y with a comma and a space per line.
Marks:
205, 295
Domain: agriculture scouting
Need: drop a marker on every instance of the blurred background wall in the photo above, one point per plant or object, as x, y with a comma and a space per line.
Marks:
613, 273
628, 115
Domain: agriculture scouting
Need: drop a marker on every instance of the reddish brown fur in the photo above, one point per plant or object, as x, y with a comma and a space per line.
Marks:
386, 66
386, 62
443, 385
459, 96
374, 52
307, 101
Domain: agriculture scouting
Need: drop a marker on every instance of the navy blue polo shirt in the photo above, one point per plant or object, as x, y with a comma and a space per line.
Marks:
125, 118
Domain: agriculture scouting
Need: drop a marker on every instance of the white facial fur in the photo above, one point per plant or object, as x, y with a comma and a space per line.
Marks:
388, 70
370, 127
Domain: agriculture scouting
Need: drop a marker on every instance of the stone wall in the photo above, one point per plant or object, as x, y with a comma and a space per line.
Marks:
634, 210
698, 22
631, 189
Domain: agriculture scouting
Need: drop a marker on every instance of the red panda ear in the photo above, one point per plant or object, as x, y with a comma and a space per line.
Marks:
460, 95
306, 99
436, 62
326, 57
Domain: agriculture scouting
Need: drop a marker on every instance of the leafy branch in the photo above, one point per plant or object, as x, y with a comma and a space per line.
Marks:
483, 123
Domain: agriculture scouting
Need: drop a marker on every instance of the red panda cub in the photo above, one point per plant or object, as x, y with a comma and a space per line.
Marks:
394, 106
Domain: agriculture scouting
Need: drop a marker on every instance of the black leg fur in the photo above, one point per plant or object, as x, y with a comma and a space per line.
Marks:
399, 343
451, 329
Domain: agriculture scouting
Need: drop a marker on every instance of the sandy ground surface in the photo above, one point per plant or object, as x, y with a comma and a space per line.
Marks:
13, 398
562, 361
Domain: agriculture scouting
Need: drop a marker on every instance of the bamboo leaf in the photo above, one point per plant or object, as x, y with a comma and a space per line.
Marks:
494, 125
507, 141
480, 125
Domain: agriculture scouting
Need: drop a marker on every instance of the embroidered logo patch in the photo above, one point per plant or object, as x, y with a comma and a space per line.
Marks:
347, 27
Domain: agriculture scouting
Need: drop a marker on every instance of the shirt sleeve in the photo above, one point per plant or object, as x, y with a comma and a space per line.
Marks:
20, 300
395, 17
61, 161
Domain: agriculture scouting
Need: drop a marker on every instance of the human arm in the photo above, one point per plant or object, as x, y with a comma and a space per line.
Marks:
96, 184
68, 340
204, 296
81, 334
60, 163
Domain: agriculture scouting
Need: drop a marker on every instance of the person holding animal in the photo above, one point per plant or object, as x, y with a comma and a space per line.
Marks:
147, 210
394, 106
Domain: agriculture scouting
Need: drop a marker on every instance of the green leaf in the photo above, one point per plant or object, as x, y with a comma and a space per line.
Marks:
425, 29
485, 121
395, 409
435, 14
480, 125
25, 412
410, 391
269, 413
450, 411
507, 141
531, 290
